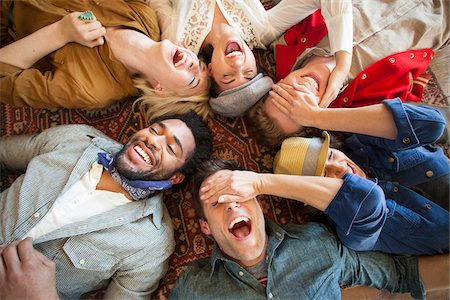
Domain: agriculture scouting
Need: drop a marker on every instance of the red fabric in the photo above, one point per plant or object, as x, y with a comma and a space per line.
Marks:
305, 34
403, 77
397, 75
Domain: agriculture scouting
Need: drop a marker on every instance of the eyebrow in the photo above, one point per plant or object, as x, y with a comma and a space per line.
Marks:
177, 141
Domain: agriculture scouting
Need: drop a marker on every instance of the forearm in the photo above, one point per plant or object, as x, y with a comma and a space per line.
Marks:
312, 190
343, 60
375, 120
28, 50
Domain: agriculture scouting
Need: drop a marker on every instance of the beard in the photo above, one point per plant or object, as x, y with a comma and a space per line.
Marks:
133, 173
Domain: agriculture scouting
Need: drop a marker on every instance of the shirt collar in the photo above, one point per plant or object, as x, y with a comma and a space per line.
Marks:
276, 236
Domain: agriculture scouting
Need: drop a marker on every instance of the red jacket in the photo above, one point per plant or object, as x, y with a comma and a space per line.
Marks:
398, 75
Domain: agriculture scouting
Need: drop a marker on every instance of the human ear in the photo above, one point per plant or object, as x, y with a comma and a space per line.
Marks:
177, 178
209, 69
159, 90
204, 227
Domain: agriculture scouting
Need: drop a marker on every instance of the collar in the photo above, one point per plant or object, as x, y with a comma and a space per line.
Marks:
275, 233
138, 189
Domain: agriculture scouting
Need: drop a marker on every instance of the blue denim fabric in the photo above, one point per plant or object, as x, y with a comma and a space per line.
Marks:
304, 262
409, 157
412, 224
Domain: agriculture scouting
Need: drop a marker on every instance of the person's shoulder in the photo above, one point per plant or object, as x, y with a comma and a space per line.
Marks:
191, 280
309, 229
74, 130
196, 270
311, 233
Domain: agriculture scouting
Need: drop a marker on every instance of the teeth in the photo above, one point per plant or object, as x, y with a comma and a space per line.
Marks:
183, 58
237, 220
234, 53
143, 154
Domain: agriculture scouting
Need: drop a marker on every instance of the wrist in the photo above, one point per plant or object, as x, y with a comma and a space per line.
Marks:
60, 37
261, 183
317, 118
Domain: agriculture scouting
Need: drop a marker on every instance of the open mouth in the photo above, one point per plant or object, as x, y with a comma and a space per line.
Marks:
179, 58
241, 227
314, 77
144, 155
233, 49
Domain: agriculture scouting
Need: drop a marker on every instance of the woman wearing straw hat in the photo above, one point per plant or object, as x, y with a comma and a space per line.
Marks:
388, 197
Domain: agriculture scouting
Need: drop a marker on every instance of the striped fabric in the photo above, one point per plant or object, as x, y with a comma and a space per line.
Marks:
130, 244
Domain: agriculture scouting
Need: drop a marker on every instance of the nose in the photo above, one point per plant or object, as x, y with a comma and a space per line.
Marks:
156, 142
194, 64
232, 205
236, 63
335, 169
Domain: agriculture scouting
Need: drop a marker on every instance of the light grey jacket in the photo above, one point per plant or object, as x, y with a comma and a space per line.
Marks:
130, 244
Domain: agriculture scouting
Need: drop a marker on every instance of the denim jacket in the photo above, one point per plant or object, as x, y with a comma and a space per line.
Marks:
386, 213
304, 262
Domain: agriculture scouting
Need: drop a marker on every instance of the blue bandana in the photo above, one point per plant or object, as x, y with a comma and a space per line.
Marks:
138, 189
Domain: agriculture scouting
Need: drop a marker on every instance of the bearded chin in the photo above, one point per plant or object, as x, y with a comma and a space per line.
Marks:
132, 173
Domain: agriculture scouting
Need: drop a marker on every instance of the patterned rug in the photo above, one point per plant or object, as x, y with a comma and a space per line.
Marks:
232, 140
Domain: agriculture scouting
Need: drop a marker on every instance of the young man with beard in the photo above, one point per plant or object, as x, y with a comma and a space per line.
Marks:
255, 258
92, 205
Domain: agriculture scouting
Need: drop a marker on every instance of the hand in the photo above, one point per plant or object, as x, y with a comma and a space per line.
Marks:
89, 34
25, 273
297, 102
231, 186
337, 78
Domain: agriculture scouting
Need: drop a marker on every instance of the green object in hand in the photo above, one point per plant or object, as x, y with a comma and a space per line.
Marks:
86, 16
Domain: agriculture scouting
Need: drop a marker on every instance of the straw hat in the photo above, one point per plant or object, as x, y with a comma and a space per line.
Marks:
302, 156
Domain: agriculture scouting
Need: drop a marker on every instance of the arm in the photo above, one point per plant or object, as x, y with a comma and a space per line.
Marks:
416, 126
28, 50
137, 283
25, 273
338, 16
356, 205
25, 148
238, 186
303, 108
396, 274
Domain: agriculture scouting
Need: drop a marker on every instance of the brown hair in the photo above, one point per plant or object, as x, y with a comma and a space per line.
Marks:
264, 129
205, 170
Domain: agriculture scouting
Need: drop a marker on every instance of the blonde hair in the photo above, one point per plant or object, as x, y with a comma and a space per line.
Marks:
266, 131
154, 106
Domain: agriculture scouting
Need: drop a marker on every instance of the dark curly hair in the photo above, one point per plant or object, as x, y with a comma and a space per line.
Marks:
202, 137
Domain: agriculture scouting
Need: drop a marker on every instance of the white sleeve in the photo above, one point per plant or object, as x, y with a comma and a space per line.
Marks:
337, 14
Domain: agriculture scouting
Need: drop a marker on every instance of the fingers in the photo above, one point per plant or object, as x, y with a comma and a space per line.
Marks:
328, 97
25, 250
214, 185
94, 33
11, 256
227, 198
